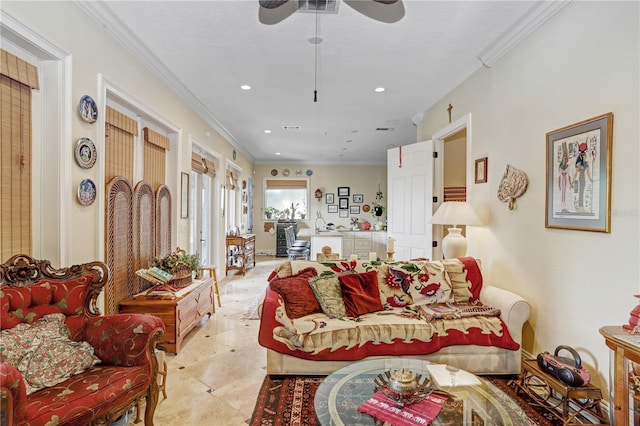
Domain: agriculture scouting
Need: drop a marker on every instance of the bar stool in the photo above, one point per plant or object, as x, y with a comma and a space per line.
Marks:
212, 274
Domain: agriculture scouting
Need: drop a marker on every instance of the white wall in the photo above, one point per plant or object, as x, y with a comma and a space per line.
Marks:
582, 63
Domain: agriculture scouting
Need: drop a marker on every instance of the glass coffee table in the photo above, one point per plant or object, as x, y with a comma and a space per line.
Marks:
477, 402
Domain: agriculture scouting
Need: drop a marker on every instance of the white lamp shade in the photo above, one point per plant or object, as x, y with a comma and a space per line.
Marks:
455, 213
454, 244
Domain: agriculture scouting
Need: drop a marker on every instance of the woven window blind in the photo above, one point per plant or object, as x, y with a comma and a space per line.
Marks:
120, 132
17, 79
286, 184
200, 164
156, 146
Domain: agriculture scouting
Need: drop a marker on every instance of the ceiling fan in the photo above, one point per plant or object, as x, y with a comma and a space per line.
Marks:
274, 11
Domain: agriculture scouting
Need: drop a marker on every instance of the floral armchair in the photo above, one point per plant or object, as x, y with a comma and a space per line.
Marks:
38, 386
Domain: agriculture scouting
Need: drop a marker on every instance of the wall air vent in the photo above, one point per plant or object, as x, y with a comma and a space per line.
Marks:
321, 6
291, 127
385, 129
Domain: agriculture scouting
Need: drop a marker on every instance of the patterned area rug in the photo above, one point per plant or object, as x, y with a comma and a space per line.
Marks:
288, 400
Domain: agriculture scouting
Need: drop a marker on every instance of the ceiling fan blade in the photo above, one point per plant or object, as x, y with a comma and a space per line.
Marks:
271, 4
273, 11
388, 11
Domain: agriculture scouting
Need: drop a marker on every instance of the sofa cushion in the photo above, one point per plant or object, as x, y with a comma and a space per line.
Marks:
466, 278
299, 299
329, 295
44, 353
429, 284
360, 293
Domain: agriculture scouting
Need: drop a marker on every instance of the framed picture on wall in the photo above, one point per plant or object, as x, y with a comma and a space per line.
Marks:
343, 213
343, 203
332, 208
354, 209
579, 175
329, 198
358, 198
343, 191
481, 170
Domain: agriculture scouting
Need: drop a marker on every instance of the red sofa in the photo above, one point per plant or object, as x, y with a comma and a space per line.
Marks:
125, 370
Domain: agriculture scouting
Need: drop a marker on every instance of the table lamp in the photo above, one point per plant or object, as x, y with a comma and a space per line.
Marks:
454, 244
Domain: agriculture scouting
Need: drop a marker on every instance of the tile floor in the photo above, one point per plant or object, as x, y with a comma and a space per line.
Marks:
215, 378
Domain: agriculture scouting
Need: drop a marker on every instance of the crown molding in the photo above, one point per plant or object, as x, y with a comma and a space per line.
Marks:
99, 12
538, 15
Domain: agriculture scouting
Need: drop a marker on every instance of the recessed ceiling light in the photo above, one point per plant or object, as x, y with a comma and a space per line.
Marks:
315, 40
267, 131
245, 87
349, 141
277, 153
379, 89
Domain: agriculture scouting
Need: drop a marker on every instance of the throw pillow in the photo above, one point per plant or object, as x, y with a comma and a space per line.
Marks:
466, 278
360, 293
392, 294
427, 282
296, 292
44, 353
329, 295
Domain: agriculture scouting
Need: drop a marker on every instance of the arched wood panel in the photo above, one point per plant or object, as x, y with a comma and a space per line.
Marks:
144, 231
119, 243
163, 221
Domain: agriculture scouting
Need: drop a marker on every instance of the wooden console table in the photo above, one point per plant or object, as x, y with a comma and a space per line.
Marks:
624, 374
180, 314
567, 404
240, 252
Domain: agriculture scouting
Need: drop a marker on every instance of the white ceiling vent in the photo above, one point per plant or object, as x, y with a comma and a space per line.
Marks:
321, 6
384, 129
291, 127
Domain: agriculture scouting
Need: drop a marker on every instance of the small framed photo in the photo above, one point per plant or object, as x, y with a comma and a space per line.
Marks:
343, 213
343, 203
579, 176
332, 208
354, 209
358, 198
343, 191
329, 198
481, 170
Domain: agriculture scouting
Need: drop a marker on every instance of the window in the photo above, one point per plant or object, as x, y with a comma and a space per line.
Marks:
285, 199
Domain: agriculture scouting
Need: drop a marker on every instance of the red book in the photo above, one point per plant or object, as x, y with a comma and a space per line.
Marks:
420, 413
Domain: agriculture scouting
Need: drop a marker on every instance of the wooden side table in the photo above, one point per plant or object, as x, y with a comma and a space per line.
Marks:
240, 252
565, 403
180, 314
624, 374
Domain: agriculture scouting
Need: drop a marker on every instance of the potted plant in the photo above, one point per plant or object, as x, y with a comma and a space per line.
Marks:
179, 263
377, 205
270, 212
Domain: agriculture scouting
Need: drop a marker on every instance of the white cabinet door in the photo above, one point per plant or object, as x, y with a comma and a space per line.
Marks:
410, 201
347, 245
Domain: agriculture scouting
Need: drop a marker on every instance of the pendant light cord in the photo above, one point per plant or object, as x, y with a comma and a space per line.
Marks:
315, 72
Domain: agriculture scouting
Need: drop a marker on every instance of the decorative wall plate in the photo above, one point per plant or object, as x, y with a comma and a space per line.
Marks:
309, 172
88, 109
86, 192
274, 172
366, 208
85, 153
299, 172
285, 172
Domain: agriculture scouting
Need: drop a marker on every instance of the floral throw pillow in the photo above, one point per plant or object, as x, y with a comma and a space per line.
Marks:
43, 352
424, 282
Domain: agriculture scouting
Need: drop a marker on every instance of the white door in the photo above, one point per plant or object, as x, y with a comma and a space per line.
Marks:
202, 235
410, 202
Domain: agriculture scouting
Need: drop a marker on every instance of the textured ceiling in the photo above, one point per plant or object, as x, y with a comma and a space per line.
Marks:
213, 47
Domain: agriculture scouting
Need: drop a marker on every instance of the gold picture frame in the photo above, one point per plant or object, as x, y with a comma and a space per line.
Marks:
578, 175
481, 171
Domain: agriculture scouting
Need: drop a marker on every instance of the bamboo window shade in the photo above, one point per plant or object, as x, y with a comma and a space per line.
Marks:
120, 132
156, 146
231, 181
286, 184
202, 165
17, 79
455, 193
